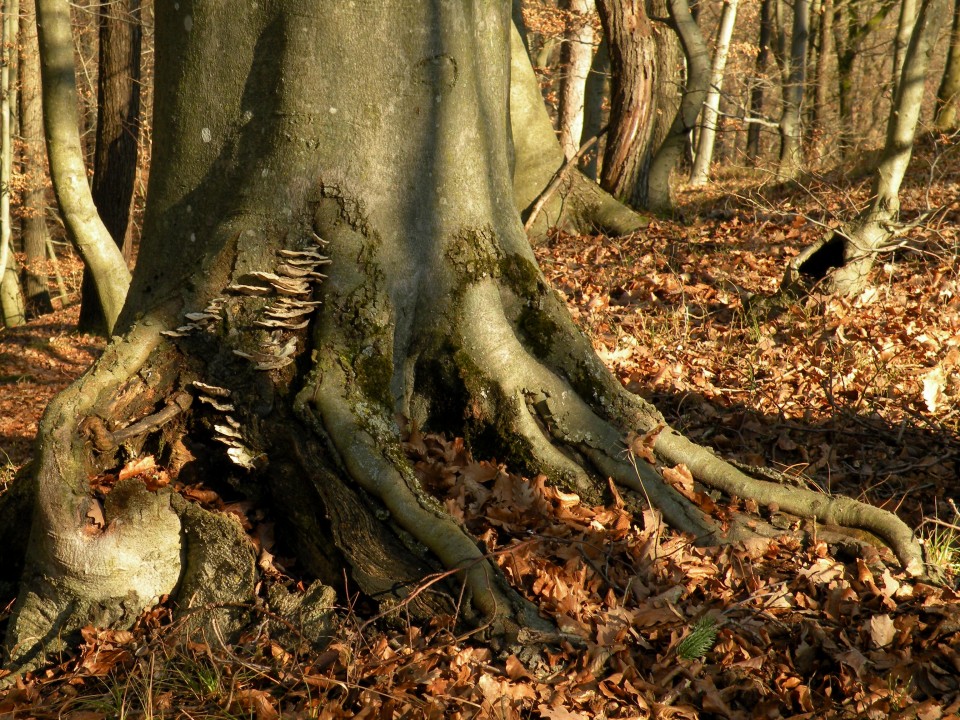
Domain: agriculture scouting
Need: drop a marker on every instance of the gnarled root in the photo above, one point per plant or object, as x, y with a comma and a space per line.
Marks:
367, 443
562, 431
88, 563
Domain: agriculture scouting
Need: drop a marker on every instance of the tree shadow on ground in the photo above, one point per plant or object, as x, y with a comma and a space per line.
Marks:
910, 467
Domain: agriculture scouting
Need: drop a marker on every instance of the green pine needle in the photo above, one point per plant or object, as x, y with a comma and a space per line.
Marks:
700, 640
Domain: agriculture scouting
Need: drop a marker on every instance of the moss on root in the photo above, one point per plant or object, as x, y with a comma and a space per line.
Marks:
539, 329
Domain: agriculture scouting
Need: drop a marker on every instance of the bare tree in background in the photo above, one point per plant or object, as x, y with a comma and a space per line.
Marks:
948, 92
118, 137
700, 172
11, 295
844, 258
67, 168
576, 56
34, 231
793, 71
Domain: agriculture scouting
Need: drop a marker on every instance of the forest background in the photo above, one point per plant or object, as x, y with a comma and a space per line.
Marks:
847, 393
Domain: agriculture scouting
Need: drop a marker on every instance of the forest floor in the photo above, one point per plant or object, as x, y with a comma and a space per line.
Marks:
857, 397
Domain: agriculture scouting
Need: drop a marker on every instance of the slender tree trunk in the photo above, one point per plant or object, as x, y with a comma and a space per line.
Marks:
660, 191
11, 295
825, 55
948, 92
759, 81
791, 126
84, 226
700, 172
580, 205
908, 15
595, 92
576, 57
849, 35
118, 138
34, 167
633, 63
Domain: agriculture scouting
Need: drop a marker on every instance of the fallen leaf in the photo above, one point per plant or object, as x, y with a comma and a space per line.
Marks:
881, 629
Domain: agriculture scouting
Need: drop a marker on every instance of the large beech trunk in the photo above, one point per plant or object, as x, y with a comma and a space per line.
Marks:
289, 134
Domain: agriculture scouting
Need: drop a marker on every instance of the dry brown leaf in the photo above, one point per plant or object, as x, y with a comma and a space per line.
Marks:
138, 466
641, 446
882, 630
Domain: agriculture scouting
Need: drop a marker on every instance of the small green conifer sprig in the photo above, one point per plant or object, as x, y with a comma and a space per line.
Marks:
701, 639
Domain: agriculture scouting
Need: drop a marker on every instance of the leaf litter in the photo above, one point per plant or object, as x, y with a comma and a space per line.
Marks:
858, 397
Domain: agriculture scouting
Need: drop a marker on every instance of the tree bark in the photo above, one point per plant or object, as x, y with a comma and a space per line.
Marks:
660, 192
907, 17
791, 128
576, 56
595, 92
84, 226
849, 35
759, 80
825, 55
580, 205
633, 64
118, 138
700, 172
646, 64
11, 296
316, 261
867, 235
945, 119
33, 168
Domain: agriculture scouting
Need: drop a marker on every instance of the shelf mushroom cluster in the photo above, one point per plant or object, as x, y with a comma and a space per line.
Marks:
228, 431
292, 285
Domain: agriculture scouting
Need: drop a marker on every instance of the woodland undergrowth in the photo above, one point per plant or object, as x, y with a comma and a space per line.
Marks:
857, 397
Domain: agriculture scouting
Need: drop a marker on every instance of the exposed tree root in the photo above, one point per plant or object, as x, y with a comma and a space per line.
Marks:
367, 444
842, 511
575, 423
506, 360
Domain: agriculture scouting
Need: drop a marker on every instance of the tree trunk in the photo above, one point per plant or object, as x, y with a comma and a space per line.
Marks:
633, 64
646, 69
576, 56
118, 139
867, 235
700, 172
791, 129
849, 35
908, 15
825, 54
11, 296
660, 191
387, 155
580, 205
33, 168
759, 80
84, 227
595, 92
949, 89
